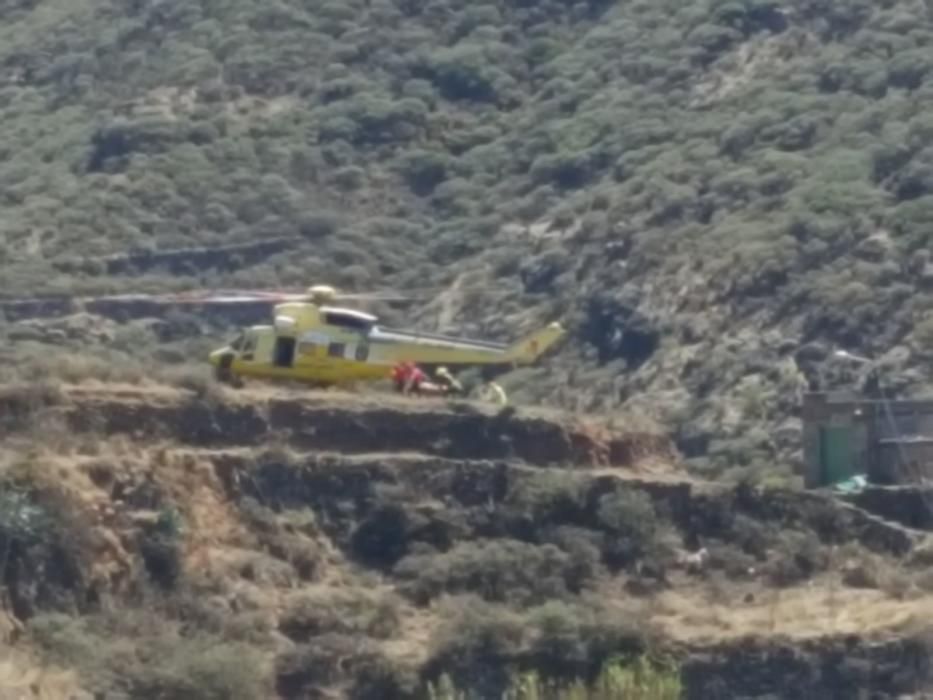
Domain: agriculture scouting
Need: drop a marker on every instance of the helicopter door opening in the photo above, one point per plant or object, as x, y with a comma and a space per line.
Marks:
284, 352
248, 349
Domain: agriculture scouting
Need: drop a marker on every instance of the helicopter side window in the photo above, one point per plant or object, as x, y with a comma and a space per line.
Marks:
347, 321
336, 349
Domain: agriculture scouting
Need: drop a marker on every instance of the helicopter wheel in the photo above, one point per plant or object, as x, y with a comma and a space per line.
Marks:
225, 376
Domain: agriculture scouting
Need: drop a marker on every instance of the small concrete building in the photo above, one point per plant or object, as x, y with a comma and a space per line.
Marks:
890, 442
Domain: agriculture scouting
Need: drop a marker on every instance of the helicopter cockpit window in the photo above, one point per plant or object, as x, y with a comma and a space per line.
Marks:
237, 343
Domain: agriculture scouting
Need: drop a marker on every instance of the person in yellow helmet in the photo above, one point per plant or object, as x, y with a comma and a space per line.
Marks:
494, 393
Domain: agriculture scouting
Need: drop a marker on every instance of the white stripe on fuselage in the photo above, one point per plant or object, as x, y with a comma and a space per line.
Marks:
380, 336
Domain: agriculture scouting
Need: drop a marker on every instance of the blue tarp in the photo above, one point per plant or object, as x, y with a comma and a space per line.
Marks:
853, 485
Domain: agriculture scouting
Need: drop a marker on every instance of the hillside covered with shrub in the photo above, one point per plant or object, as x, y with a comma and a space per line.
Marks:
702, 191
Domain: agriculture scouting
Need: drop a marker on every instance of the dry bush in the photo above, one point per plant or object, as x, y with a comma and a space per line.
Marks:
199, 669
897, 584
22, 404
500, 570
265, 570
286, 536
197, 380
21, 677
330, 659
921, 556
480, 643
862, 569
141, 654
923, 580
302, 554
799, 556
203, 608
70, 367
734, 562
583, 546
49, 432
575, 634
753, 536
474, 628
341, 611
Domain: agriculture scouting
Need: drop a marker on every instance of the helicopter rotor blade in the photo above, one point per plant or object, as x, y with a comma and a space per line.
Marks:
237, 297
231, 296
376, 297
387, 295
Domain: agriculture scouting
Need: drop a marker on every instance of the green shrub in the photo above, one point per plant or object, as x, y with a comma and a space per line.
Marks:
200, 670
548, 495
342, 612
329, 659
475, 629
139, 653
799, 557
618, 680
161, 547
632, 524
425, 170
464, 72
23, 523
372, 119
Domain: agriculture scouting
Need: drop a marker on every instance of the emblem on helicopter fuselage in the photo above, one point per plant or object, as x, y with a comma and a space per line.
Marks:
311, 341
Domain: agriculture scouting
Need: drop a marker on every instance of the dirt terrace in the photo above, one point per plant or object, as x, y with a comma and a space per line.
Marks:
328, 500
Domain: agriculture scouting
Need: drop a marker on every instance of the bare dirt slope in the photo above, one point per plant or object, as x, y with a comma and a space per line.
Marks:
336, 545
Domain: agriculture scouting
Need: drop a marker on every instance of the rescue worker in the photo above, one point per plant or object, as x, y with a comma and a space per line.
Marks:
399, 376
494, 393
415, 381
409, 378
447, 381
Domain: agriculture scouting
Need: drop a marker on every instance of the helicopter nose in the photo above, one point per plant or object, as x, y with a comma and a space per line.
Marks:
215, 357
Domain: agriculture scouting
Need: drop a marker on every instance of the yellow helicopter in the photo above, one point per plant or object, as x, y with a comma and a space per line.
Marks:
311, 340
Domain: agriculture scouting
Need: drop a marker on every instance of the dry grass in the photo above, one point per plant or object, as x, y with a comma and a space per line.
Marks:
805, 612
21, 677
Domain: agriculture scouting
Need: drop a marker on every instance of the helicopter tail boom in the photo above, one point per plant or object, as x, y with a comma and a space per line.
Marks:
530, 348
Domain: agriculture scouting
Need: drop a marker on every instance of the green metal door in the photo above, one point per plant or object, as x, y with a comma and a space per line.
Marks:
837, 454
